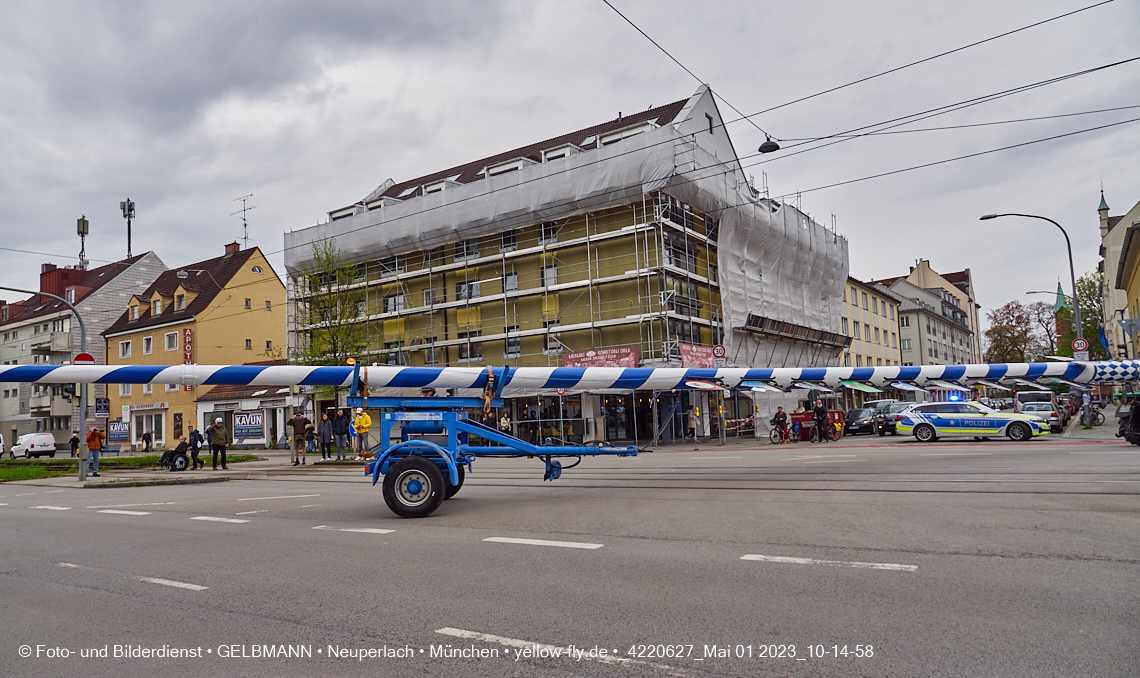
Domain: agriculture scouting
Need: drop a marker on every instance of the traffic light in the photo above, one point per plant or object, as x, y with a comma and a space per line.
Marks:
68, 391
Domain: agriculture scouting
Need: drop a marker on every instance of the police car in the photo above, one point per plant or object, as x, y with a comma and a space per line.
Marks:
928, 421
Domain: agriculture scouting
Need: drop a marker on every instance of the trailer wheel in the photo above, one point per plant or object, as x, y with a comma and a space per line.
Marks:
413, 487
452, 490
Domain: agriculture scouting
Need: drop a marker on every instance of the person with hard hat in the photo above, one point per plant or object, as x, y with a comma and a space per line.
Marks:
219, 437
363, 422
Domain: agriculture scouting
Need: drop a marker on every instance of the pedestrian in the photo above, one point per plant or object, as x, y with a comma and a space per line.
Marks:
168, 456
74, 443
780, 421
95, 439
363, 423
692, 421
300, 425
819, 414
219, 436
310, 437
147, 439
505, 424
340, 428
196, 445
325, 436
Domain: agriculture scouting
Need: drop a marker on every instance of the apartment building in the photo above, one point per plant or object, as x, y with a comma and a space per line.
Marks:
953, 296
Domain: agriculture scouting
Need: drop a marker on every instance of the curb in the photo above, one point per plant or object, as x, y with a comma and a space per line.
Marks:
147, 483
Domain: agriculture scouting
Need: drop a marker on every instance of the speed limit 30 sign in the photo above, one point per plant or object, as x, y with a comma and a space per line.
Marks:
1080, 344
718, 351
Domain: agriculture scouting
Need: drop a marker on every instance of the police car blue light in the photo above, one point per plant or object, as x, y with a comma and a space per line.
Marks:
928, 421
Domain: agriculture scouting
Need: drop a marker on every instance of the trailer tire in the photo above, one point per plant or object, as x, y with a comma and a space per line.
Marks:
452, 490
413, 487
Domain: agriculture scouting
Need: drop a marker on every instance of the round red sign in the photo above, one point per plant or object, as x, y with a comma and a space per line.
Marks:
718, 351
83, 359
1080, 344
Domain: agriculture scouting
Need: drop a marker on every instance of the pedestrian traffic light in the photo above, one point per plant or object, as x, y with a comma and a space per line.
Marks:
68, 391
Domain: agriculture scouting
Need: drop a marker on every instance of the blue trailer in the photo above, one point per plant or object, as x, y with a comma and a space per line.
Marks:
436, 447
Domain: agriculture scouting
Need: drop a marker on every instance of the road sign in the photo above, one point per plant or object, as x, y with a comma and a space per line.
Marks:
102, 408
1081, 344
720, 362
83, 359
126, 412
1080, 355
718, 351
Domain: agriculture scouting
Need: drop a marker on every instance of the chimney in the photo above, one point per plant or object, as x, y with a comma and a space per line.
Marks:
47, 268
232, 248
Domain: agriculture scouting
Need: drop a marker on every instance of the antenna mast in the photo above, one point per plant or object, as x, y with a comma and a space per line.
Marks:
128, 207
244, 222
82, 228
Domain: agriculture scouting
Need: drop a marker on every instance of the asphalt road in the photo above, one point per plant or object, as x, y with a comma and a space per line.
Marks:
947, 559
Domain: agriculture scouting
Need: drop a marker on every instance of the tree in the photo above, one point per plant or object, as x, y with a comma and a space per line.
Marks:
331, 310
1092, 311
1010, 336
1044, 325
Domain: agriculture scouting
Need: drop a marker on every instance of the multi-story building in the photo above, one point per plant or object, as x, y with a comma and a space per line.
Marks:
955, 301
43, 331
635, 242
224, 311
872, 321
933, 330
1117, 307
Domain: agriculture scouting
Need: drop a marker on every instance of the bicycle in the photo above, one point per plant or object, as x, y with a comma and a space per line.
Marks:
833, 432
777, 436
1098, 418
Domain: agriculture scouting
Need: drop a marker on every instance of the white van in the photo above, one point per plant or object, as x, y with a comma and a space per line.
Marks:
33, 445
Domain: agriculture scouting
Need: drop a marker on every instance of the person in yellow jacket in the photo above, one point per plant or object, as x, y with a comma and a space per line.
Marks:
362, 423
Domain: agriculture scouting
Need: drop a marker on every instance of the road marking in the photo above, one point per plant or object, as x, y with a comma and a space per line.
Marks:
54, 491
716, 457
308, 506
1095, 452
365, 530
832, 461
153, 503
838, 563
175, 584
119, 512
551, 650
72, 565
52, 508
292, 496
544, 542
246, 513
26, 494
820, 456
219, 520
3, 504
957, 454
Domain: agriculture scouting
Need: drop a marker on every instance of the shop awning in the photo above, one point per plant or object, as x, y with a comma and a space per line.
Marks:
1062, 380
904, 386
990, 384
704, 385
948, 385
811, 386
859, 386
759, 386
1032, 384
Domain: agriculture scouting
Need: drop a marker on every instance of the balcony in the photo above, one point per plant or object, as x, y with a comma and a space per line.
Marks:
48, 405
57, 342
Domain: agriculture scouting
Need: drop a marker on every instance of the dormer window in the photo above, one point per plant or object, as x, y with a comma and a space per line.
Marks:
560, 152
180, 302
134, 312
614, 137
509, 166
438, 186
407, 193
156, 307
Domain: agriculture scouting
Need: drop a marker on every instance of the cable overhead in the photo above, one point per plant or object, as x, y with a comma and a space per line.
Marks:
920, 61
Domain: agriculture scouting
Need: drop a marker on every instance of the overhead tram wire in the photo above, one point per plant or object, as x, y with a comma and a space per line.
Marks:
921, 61
1016, 90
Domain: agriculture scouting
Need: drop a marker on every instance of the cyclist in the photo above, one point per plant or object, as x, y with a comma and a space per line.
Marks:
819, 414
780, 421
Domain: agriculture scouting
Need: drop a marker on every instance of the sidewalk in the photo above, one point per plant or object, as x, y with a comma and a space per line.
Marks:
1104, 432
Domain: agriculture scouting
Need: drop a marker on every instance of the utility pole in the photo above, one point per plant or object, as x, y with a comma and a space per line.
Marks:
128, 207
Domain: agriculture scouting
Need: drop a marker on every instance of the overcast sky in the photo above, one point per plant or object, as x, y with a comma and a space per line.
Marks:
309, 106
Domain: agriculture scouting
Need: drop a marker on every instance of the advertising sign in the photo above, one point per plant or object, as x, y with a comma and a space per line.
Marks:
102, 408
249, 424
118, 431
188, 351
618, 356
696, 356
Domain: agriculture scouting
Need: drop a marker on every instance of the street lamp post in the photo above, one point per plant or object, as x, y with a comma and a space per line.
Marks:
82, 387
1072, 279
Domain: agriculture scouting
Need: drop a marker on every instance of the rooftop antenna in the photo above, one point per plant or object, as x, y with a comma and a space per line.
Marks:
244, 222
82, 227
128, 207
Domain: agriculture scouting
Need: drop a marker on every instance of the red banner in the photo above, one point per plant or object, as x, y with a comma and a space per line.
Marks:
696, 356
619, 356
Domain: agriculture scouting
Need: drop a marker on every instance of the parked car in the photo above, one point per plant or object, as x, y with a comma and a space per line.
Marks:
1047, 412
859, 421
928, 421
885, 420
33, 445
1022, 397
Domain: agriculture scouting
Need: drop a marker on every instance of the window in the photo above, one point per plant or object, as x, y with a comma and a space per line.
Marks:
904, 321
855, 326
124, 389
431, 353
466, 290
247, 303
867, 332
875, 305
549, 232
171, 387
554, 339
877, 336
249, 344
393, 303
514, 344
134, 311
268, 305
394, 357
858, 361
257, 269
864, 301
125, 349
180, 302
429, 297
894, 340
466, 249
392, 266
511, 282
148, 345
845, 330
879, 362
892, 312
156, 307
930, 351
268, 345
470, 350
509, 242
854, 296
710, 119
549, 276
148, 389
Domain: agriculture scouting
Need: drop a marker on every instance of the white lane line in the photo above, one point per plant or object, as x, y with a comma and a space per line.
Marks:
820, 456
832, 461
1099, 452
716, 457
3, 504
365, 530
119, 512
219, 520
308, 506
72, 565
54, 491
551, 650
26, 494
544, 542
52, 508
153, 503
175, 584
957, 454
292, 496
246, 513
836, 563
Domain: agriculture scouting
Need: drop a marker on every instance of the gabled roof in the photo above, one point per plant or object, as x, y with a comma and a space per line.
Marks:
1112, 221
206, 279
469, 172
38, 305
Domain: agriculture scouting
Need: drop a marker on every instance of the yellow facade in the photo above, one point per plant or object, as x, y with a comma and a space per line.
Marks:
871, 320
245, 322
